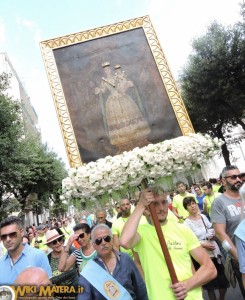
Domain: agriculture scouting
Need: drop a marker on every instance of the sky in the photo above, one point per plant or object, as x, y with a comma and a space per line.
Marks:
24, 24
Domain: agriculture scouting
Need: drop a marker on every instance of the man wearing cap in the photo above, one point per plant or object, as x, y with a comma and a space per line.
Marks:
39, 241
111, 274
18, 256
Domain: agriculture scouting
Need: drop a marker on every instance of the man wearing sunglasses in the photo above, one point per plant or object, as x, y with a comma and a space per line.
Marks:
110, 273
18, 256
226, 215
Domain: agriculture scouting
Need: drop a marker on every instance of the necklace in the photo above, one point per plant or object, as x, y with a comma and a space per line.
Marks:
107, 269
110, 270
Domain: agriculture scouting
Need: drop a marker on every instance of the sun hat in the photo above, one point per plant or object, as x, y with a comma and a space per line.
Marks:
52, 235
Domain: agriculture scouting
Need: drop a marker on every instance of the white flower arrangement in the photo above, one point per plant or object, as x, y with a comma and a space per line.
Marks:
114, 175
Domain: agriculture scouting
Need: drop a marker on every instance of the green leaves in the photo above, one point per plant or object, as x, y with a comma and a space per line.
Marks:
213, 81
26, 165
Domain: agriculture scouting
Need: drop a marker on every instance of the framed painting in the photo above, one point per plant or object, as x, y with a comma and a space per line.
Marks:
113, 90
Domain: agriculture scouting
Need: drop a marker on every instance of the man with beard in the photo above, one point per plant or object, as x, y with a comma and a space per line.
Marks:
18, 256
226, 215
118, 225
111, 274
182, 244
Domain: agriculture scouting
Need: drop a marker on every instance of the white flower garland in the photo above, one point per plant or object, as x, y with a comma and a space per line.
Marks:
104, 177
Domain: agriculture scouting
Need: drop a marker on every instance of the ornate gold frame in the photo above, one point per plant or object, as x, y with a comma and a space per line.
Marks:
48, 46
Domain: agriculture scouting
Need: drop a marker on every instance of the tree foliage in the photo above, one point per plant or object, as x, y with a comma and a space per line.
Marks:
27, 167
213, 82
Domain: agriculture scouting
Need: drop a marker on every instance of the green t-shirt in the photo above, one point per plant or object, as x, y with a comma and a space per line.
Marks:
117, 228
210, 200
41, 243
178, 204
67, 231
180, 241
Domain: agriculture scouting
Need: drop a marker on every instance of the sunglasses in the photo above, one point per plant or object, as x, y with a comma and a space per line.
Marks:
105, 238
11, 235
81, 236
60, 240
233, 177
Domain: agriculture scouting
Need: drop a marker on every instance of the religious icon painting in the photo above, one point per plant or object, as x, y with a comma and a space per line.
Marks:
113, 90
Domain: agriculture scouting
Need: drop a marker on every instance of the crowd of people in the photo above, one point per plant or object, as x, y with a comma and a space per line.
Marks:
114, 252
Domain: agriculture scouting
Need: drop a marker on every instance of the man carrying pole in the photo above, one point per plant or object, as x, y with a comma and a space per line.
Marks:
181, 245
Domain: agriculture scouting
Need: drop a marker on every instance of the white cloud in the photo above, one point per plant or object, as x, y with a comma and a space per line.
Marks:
32, 27
26, 23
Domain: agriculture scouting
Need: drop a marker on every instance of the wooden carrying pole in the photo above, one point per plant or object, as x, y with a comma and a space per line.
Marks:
161, 238
163, 244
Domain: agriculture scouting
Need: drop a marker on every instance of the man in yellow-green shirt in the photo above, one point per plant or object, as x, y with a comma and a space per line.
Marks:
118, 225
39, 241
182, 245
177, 205
210, 196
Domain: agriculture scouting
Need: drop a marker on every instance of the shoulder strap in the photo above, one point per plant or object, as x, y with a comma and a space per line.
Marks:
204, 224
106, 284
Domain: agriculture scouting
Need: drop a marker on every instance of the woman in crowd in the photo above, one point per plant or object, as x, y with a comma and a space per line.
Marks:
79, 256
55, 241
31, 233
201, 226
25, 239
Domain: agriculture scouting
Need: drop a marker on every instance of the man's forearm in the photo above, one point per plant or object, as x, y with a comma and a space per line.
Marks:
174, 210
224, 237
203, 275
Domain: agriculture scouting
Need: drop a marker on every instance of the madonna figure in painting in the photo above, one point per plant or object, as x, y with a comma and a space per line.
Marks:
124, 121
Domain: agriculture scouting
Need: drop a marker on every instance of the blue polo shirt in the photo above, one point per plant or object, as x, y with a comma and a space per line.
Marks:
30, 257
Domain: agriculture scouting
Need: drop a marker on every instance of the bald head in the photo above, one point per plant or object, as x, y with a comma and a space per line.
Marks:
33, 276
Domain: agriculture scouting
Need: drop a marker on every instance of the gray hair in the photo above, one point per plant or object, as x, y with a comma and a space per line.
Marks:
100, 226
228, 168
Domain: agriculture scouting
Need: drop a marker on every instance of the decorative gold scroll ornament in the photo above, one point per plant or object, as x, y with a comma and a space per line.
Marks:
58, 94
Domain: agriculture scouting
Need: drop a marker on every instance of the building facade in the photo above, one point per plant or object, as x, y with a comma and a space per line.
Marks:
17, 91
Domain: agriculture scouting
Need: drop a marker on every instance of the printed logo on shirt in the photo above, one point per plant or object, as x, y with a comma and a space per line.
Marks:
235, 210
174, 245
